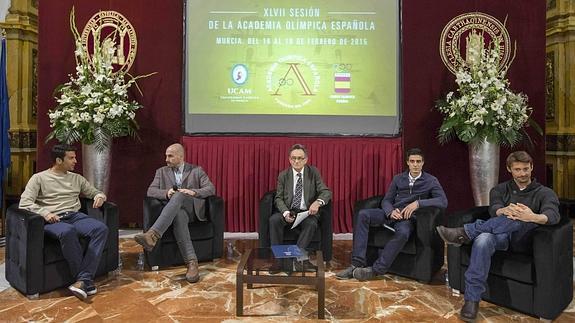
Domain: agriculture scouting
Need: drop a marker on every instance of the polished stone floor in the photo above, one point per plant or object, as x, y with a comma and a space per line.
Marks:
133, 295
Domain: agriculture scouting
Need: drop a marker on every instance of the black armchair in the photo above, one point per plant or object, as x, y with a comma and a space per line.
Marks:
538, 281
322, 240
207, 237
34, 262
423, 254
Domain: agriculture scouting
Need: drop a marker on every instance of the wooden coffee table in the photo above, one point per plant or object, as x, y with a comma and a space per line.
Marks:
254, 268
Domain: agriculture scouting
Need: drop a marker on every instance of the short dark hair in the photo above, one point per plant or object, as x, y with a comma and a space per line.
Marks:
59, 151
414, 151
298, 146
519, 156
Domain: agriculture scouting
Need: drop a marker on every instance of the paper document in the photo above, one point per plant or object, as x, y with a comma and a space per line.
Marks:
300, 217
286, 251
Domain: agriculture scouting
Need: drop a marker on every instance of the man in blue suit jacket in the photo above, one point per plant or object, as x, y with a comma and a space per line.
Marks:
407, 192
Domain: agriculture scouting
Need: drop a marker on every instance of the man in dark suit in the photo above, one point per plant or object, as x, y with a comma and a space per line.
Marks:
299, 188
184, 187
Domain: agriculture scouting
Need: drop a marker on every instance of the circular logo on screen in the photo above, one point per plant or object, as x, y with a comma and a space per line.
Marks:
463, 29
112, 25
293, 81
239, 74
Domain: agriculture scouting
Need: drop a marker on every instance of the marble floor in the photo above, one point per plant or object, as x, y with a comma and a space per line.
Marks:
132, 295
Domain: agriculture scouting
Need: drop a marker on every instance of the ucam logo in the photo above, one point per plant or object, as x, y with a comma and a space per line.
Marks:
239, 74
238, 90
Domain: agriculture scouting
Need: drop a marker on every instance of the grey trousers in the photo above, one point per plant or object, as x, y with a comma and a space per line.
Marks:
176, 213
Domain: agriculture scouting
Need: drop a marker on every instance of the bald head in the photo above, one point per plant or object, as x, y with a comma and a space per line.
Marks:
174, 155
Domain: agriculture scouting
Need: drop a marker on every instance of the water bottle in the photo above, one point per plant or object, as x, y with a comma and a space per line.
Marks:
230, 250
120, 264
140, 263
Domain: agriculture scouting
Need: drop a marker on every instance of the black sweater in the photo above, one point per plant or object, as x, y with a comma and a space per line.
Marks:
540, 199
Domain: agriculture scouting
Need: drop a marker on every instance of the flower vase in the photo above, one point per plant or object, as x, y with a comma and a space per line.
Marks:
483, 169
97, 164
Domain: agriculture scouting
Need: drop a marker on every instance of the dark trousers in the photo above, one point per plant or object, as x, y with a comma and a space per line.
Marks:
387, 254
82, 265
307, 229
488, 236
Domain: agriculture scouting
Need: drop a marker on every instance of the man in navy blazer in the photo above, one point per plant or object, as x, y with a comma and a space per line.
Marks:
292, 198
407, 192
184, 187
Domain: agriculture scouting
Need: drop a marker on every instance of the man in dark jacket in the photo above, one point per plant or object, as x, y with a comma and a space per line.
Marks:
299, 188
407, 192
516, 207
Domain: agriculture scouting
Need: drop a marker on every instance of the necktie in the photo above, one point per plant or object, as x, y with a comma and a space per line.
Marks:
296, 202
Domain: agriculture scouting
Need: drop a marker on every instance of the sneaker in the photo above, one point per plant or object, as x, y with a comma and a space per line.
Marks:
346, 274
91, 288
79, 290
363, 274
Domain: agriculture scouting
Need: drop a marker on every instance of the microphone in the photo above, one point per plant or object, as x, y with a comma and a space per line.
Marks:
175, 187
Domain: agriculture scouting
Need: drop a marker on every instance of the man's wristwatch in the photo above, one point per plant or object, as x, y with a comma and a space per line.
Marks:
321, 203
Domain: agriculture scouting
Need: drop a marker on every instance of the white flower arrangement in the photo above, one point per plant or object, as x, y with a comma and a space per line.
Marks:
483, 107
94, 106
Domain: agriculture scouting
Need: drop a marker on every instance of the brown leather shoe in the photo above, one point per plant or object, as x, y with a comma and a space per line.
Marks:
453, 236
469, 311
193, 273
148, 240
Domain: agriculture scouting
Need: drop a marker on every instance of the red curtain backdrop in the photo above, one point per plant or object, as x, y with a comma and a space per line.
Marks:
159, 27
244, 168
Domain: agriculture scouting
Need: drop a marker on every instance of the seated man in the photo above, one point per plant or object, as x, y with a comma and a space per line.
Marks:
517, 207
184, 187
299, 188
407, 192
53, 194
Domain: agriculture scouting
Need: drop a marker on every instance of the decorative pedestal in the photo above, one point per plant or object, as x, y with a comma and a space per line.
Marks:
483, 169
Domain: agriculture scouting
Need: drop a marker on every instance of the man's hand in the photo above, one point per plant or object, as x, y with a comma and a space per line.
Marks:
288, 217
187, 191
314, 208
521, 212
170, 193
505, 211
407, 212
51, 218
99, 200
396, 214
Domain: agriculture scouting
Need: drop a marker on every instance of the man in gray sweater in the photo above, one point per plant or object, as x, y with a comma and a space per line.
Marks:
516, 207
53, 194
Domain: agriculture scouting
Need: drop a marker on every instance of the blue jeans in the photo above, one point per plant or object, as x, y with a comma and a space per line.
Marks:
82, 265
387, 254
488, 236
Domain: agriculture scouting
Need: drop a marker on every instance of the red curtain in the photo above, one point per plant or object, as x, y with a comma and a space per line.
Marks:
244, 168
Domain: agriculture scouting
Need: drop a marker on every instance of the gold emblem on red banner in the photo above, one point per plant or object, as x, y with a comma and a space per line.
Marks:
114, 25
466, 28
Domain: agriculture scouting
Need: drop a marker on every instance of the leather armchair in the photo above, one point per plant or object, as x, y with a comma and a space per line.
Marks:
34, 262
207, 237
322, 239
538, 281
423, 254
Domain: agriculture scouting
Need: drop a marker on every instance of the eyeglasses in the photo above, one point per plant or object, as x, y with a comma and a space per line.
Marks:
295, 158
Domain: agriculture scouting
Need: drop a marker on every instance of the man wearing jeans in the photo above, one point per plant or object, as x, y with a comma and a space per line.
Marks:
407, 192
184, 187
53, 194
517, 207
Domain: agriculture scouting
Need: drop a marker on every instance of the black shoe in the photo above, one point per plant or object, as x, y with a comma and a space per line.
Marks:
346, 273
363, 274
453, 236
469, 311
304, 266
79, 290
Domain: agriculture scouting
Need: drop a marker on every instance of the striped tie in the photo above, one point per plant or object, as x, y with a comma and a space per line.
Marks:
296, 202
